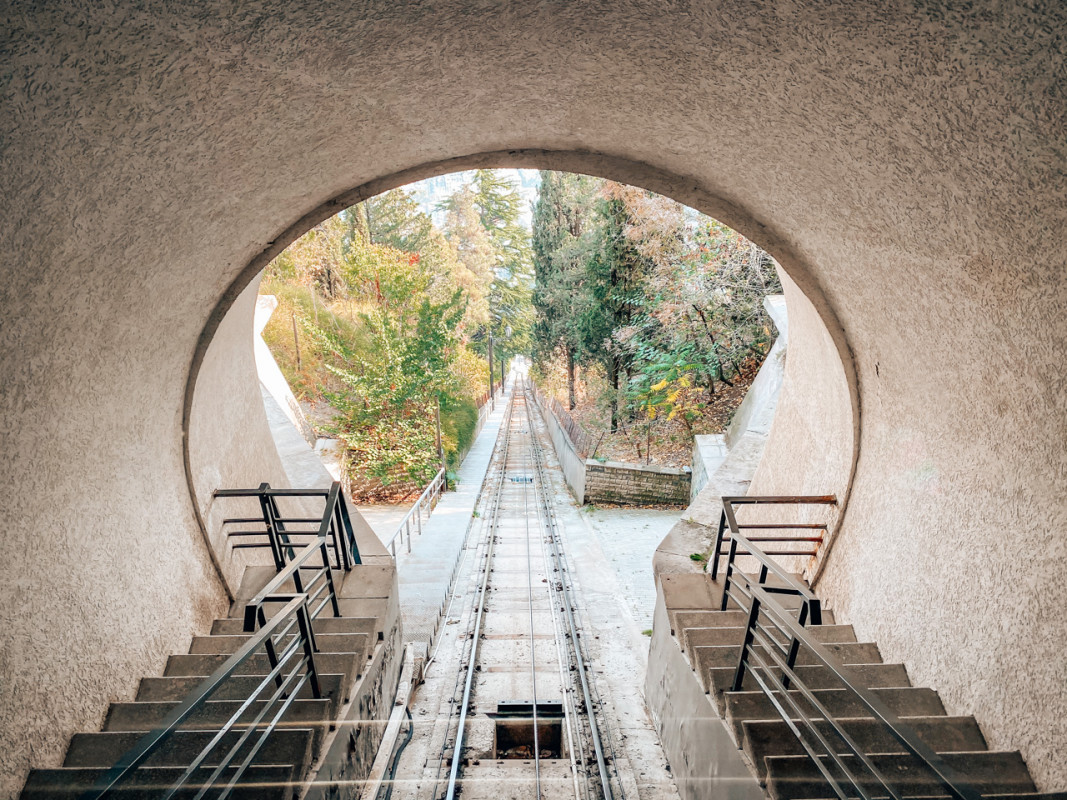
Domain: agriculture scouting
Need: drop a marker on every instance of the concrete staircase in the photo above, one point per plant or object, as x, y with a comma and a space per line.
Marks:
285, 761
711, 641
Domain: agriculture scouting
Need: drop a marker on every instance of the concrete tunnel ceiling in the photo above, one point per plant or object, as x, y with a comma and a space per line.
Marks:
906, 164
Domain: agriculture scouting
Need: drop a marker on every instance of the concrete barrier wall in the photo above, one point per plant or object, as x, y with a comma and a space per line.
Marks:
572, 464
230, 441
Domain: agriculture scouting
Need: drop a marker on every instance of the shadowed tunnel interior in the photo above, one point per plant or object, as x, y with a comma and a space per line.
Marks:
906, 166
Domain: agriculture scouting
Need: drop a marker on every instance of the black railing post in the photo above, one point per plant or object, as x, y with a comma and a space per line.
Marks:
718, 545
307, 633
750, 635
279, 529
329, 581
729, 573
268, 520
794, 645
351, 546
344, 559
268, 645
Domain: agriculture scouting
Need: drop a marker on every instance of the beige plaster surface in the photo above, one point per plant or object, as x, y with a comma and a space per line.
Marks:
230, 442
905, 163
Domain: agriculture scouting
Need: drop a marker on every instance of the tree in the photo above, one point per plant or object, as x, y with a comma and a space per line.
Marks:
568, 316
394, 218
483, 222
667, 300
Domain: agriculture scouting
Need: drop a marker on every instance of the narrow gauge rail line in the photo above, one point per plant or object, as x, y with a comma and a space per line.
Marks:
479, 608
567, 605
524, 456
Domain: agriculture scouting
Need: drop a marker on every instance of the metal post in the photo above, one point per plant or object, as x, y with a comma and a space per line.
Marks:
491, 406
718, 537
753, 616
440, 443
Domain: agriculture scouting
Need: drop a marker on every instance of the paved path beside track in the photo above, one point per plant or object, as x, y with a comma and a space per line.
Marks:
427, 572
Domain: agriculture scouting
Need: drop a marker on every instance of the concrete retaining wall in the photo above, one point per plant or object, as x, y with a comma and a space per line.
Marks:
709, 451
572, 464
593, 481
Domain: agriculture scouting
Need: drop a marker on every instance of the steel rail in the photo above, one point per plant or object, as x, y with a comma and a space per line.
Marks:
457, 750
529, 601
488, 497
570, 712
568, 608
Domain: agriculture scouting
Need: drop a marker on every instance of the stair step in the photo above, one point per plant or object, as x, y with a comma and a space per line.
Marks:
905, 702
313, 714
231, 626
680, 620
350, 665
286, 746
325, 643
260, 782
704, 658
797, 777
943, 734
236, 687
714, 637
719, 680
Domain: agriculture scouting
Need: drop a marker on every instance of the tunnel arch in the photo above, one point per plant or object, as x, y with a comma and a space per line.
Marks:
634, 173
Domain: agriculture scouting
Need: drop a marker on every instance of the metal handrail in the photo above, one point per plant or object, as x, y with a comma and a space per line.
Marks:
433, 487
272, 592
335, 523
759, 640
812, 607
289, 685
771, 662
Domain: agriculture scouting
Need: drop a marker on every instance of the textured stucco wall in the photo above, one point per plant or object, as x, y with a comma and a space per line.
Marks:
811, 445
230, 442
904, 162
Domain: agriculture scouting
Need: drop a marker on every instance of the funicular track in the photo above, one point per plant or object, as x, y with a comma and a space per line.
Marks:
525, 715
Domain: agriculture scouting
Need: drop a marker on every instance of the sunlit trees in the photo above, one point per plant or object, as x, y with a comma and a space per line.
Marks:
482, 221
667, 300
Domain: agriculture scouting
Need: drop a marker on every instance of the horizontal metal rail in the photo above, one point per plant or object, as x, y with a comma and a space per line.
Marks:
313, 586
335, 523
425, 502
729, 517
811, 606
849, 770
291, 670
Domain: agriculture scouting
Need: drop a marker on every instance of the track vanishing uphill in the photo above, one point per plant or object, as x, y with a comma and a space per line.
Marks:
519, 715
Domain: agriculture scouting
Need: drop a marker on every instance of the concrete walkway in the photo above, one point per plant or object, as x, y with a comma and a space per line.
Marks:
427, 572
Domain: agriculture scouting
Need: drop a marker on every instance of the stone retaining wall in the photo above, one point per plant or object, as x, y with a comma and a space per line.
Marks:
635, 484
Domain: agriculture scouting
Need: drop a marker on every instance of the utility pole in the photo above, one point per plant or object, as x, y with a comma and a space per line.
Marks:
491, 406
502, 376
296, 341
440, 444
